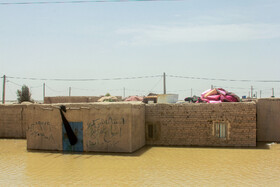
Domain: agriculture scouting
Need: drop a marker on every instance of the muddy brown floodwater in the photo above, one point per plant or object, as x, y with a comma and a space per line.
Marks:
150, 166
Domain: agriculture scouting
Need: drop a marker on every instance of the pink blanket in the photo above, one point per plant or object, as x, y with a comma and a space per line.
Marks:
218, 95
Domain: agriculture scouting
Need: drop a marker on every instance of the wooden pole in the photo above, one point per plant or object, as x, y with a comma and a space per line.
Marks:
44, 92
123, 92
4, 89
164, 83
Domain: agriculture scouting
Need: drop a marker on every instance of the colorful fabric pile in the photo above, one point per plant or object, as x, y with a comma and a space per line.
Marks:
218, 95
108, 99
134, 98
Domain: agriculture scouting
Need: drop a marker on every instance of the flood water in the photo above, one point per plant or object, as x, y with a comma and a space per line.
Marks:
150, 166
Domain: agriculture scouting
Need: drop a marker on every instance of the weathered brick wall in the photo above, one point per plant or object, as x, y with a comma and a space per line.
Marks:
12, 121
195, 124
99, 127
71, 99
268, 120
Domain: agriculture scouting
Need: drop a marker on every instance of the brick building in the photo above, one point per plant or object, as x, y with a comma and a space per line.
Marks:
223, 124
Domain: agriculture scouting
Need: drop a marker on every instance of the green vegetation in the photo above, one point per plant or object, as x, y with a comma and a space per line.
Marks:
24, 94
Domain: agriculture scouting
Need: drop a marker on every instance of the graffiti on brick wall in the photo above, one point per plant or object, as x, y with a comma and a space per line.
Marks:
41, 129
104, 131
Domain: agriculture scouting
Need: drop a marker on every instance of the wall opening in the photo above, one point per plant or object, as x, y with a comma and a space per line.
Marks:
220, 129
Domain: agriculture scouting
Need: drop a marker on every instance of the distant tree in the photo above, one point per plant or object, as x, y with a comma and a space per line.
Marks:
107, 95
24, 94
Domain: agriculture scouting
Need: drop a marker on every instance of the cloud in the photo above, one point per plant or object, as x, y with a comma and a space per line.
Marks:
206, 33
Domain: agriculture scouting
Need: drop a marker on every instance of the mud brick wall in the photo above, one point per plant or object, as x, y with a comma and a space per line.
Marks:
70, 99
12, 121
268, 120
99, 127
199, 124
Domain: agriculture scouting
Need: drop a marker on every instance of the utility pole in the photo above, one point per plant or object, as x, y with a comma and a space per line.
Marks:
4, 89
164, 83
123, 92
44, 92
70, 91
272, 92
251, 91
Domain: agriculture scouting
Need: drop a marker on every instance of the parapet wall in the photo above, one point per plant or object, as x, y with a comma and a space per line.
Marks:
222, 124
12, 121
268, 120
70, 99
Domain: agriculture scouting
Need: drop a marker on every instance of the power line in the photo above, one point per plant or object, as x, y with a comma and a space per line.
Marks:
53, 89
144, 77
14, 83
228, 80
69, 2
36, 87
156, 84
21, 85
230, 87
84, 89
73, 80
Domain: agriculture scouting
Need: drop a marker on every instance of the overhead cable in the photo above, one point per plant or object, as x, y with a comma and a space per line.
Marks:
228, 80
36, 87
81, 80
156, 84
66, 2
47, 2
14, 83
230, 87
53, 89
143, 77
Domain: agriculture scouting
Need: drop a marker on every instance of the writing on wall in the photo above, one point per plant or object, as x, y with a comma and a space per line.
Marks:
41, 129
105, 131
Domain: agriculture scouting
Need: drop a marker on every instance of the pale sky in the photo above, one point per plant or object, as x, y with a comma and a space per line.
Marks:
217, 39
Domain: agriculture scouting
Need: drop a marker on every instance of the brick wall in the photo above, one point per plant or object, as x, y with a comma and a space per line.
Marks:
70, 99
99, 127
73, 99
268, 120
223, 124
12, 121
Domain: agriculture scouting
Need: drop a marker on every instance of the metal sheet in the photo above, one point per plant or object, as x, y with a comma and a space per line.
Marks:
77, 128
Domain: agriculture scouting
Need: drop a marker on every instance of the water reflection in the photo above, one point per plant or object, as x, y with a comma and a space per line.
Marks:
150, 166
